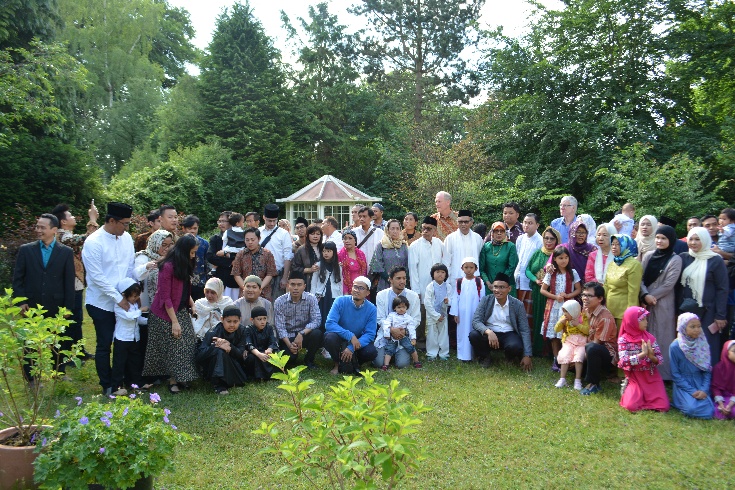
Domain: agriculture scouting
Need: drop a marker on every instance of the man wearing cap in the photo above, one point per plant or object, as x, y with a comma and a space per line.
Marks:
108, 257
297, 321
251, 298
368, 236
378, 215
279, 242
331, 232
446, 219
500, 322
301, 226
460, 244
422, 255
351, 327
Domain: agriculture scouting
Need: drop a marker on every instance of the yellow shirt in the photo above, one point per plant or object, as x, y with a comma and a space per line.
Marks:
581, 328
622, 286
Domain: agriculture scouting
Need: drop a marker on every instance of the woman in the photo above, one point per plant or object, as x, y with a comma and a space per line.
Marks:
703, 287
691, 369
172, 342
599, 260
535, 274
589, 224
646, 237
579, 248
410, 221
498, 255
390, 252
623, 280
146, 263
208, 310
352, 261
307, 257
661, 270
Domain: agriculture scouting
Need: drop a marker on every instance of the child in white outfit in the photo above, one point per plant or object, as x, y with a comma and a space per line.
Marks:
399, 318
127, 363
437, 300
470, 290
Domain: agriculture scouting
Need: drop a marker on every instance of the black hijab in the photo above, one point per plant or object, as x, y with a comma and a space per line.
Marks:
660, 258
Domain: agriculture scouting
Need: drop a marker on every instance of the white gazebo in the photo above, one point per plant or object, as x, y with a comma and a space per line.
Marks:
327, 196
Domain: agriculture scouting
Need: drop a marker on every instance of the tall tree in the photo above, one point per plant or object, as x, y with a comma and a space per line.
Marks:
23, 20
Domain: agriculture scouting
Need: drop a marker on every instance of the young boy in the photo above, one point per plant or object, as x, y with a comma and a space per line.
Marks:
222, 353
437, 300
260, 342
527, 244
726, 241
470, 290
127, 363
399, 318
626, 220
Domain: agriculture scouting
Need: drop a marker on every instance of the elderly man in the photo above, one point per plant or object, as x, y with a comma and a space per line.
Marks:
252, 219
568, 211
109, 257
378, 215
351, 329
331, 231
256, 260
279, 242
446, 218
251, 298
368, 236
301, 226
297, 321
384, 304
460, 244
422, 255
500, 323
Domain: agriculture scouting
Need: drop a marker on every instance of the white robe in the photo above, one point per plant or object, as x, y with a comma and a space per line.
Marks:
368, 248
526, 247
422, 255
464, 305
458, 247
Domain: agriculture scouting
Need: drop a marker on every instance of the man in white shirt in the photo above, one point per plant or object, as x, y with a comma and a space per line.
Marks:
278, 241
367, 235
108, 257
330, 230
460, 244
422, 255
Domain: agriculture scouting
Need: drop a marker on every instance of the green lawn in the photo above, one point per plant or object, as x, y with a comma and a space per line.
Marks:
489, 428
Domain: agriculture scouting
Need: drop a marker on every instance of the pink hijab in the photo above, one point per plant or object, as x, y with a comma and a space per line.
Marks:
723, 374
630, 328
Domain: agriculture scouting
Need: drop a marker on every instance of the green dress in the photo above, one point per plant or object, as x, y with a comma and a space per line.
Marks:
494, 259
536, 263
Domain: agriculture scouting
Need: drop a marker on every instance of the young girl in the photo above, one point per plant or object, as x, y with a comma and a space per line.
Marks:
127, 363
639, 353
561, 284
574, 338
326, 284
691, 369
400, 319
208, 310
470, 290
437, 300
723, 382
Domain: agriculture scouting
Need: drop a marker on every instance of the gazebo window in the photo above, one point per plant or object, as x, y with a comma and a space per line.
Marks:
340, 213
307, 210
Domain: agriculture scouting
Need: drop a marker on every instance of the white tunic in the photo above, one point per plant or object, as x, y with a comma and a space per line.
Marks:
335, 237
459, 246
422, 255
279, 245
368, 248
108, 259
464, 305
526, 246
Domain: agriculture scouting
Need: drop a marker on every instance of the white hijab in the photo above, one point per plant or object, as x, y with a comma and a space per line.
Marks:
209, 314
695, 274
589, 223
600, 268
648, 243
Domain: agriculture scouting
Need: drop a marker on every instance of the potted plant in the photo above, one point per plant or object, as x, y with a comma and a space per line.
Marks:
120, 442
33, 342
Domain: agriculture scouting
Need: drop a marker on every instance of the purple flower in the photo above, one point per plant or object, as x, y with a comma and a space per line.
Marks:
78, 399
132, 396
1, 414
174, 427
167, 411
125, 412
108, 414
33, 437
102, 450
155, 398
58, 414
134, 386
44, 441
84, 421
105, 420
165, 419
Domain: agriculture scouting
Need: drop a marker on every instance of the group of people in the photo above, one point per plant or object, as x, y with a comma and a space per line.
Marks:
596, 298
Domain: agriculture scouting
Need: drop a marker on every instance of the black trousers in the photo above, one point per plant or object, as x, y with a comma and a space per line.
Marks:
313, 341
510, 342
336, 344
599, 361
104, 327
127, 363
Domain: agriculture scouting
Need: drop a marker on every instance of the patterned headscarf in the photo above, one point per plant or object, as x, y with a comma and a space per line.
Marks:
549, 251
695, 350
499, 224
155, 241
628, 248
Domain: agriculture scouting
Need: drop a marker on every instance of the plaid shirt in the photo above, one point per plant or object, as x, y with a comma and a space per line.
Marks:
293, 318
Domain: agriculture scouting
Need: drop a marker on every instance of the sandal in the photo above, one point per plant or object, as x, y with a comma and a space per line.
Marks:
172, 390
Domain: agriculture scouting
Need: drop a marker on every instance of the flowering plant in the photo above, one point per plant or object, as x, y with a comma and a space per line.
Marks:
112, 443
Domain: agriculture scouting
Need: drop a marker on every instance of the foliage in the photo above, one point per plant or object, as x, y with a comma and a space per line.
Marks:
171, 46
358, 434
177, 121
112, 443
31, 340
18, 228
23, 20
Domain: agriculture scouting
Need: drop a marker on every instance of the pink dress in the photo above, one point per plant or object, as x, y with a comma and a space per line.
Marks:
351, 268
643, 386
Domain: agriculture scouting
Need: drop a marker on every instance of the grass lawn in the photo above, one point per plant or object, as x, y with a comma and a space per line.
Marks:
498, 427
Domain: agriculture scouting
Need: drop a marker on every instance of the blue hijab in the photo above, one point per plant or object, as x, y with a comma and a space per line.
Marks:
628, 248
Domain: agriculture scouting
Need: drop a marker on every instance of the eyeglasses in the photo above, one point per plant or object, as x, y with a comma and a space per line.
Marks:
549, 238
359, 288
585, 295
464, 221
125, 223
565, 205
581, 233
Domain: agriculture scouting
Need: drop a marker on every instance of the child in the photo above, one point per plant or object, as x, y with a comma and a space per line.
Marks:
326, 284
400, 319
723, 382
127, 363
260, 342
626, 220
691, 369
527, 244
233, 240
639, 354
573, 339
437, 300
726, 241
222, 353
208, 310
561, 284
470, 290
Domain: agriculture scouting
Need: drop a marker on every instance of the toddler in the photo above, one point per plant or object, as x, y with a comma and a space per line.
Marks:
626, 220
400, 319
233, 240
573, 339
437, 300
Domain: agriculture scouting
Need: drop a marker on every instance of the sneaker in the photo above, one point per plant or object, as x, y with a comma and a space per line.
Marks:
431, 358
561, 383
384, 368
444, 358
325, 354
578, 384
417, 365
590, 391
120, 392
221, 390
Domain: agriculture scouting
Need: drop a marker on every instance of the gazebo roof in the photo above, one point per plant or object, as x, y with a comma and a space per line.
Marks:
329, 189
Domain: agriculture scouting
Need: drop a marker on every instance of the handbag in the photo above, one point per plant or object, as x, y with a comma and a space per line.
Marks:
689, 305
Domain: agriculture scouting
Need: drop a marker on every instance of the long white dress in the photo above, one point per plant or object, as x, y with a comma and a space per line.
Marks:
422, 255
458, 247
464, 305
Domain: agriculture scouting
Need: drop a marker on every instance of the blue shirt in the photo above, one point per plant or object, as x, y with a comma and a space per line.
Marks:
559, 225
46, 251
345, 319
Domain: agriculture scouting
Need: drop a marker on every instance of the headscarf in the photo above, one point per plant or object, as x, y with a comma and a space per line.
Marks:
589, 224
354, 235
387, 242
572, 307
660, 258
555, 232
695, 274
695, 350
600, 268
630, 327
154, 244
209, 314
646, 244
723, 374
628, 248
579, 252
505, 236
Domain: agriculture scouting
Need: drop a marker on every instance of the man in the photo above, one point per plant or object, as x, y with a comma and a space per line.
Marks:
367, 235
154, 223
190, 225
384, 305
169, 219
422, 255
297, 321
500, 323
351, 329
108, 257
511, 213
222, 265
460, 244
710, 223
568, 211
446, 218
255, 260
601, 349
331, 233
252, 298
301, 226
378, 216
252, 219
692, 222
355, 219
278, 241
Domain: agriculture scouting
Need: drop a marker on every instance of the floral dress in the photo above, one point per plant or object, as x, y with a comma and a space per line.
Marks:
351, 268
